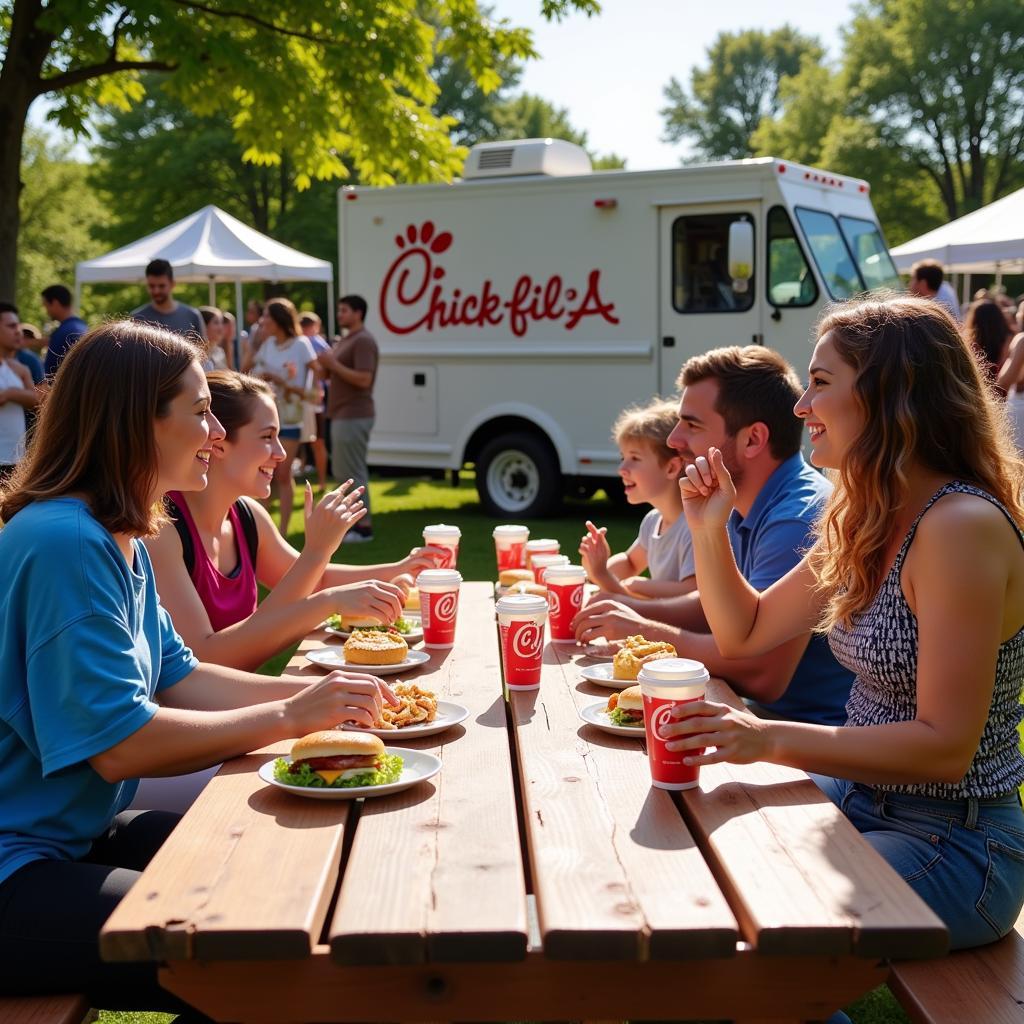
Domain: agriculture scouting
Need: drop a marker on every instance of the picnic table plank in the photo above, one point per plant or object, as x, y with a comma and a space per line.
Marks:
617, 873
799, 876
436, 873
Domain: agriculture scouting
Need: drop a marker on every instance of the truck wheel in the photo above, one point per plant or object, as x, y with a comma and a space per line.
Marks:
518, 475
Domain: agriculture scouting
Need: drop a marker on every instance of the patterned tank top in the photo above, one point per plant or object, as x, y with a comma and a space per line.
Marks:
881, 649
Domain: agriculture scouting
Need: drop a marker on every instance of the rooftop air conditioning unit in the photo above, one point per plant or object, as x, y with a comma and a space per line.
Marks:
552, 158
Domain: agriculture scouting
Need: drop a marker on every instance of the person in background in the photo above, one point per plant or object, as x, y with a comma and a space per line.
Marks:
285, 360
315, 425
17, 392
162, 310
989, 336
253, 336
96, 686
916, 576
70, 327
32, 339
216, 349
927, 279
650, 472
28, 354
352, 369
230, 338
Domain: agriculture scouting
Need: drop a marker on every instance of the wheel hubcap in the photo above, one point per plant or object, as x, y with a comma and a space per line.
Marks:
513, 481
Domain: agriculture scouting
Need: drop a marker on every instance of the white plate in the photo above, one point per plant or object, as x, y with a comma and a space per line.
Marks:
416, 767
331, 658
448, 714
595, 714
415, 634
602, 675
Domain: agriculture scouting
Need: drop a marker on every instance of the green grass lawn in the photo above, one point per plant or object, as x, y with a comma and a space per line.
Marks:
401, 508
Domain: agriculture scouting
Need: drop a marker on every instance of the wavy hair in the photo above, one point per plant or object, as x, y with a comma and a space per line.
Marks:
234, 397
94, 435
924, 400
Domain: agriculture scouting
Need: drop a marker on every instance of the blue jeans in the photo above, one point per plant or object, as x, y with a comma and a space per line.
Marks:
964, 858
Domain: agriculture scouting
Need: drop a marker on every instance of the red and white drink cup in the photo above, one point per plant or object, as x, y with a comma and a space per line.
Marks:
510, 546
521, 620
565, 599
665, 684
439, 605
542, 562
443, 536
542, 546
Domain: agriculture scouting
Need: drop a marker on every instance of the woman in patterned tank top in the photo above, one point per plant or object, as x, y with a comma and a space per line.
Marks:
917, 577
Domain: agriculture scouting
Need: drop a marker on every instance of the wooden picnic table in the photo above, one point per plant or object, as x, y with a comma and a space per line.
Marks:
537, 877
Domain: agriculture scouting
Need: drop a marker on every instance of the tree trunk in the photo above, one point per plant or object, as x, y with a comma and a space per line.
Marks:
13, 111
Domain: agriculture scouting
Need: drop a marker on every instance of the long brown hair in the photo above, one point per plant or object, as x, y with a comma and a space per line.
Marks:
283, 313
94, 436
924, 400
233, 398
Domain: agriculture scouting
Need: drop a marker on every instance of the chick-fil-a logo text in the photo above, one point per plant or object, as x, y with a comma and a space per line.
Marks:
413, 295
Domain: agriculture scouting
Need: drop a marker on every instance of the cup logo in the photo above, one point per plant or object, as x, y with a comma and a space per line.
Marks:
555, 601
659, 719
445, 607
576, 597
527, 640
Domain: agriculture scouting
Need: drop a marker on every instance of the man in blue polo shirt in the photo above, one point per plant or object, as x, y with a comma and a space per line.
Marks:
57, 303
741, 400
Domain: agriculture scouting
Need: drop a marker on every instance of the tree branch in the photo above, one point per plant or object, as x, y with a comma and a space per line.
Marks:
256, 20
78, 75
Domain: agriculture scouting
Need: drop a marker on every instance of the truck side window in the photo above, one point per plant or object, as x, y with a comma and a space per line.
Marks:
790, 281
830, 253
700, 265
873, 259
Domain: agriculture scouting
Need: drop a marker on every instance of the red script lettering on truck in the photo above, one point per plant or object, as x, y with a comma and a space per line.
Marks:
413, 298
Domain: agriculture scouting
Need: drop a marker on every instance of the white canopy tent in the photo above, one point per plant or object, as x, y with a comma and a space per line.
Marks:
987, 241
212, 246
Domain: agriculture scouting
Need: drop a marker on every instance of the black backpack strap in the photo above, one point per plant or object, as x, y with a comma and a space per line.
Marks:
249, 528
188, 551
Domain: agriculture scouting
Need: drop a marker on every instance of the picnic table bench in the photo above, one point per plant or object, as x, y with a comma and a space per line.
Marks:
537, 877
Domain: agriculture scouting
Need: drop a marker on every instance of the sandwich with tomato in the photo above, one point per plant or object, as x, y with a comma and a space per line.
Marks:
338, 759
626, 708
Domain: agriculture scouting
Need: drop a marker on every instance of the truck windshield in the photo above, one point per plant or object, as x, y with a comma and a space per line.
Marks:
873, 260
830, 253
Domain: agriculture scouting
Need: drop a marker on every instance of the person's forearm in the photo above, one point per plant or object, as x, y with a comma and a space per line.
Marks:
28, 398
728, 601
273, 626
361, 379
651, 589
338, 575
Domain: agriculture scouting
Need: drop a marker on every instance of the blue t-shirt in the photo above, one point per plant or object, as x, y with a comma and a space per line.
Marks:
63, 337
767, 543
33, 362
84, 646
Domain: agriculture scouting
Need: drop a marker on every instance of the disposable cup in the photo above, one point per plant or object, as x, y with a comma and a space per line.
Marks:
664, 685
443, 536
540, 546
510, 546
439, 605
521, 620
542, 562
565, 598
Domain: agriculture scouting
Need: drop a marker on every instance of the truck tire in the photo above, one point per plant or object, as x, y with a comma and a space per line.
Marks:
517, 476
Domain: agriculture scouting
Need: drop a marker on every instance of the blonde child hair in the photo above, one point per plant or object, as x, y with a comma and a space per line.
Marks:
652, 422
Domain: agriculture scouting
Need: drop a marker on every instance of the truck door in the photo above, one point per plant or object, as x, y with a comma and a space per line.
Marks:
700, 308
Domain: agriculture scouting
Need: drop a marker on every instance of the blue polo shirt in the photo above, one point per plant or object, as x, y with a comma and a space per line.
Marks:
84, 647
767, 543
62, 338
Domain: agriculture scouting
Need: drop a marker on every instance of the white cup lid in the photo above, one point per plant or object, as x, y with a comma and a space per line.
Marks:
527, 604
564, 573
674, 670
542, 544
439, 578
511, 531
442, 530
542, 560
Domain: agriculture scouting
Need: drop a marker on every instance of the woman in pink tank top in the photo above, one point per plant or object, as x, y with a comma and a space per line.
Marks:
212, 595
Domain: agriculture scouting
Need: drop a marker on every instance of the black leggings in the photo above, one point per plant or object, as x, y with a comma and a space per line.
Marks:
51, 912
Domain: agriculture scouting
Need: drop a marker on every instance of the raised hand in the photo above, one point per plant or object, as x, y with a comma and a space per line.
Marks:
737, 736
422, 558
609, 619
328, 520
371, 599
708, 492
338, 698
595, 551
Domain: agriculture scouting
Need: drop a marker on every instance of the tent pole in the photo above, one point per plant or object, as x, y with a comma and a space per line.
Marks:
967, 289
78, 296
239, 322
999, 275
213, 292
330, 310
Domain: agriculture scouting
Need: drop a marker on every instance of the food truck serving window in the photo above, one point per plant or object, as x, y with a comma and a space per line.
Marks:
790, 281
830, 253
873, 259
700, 265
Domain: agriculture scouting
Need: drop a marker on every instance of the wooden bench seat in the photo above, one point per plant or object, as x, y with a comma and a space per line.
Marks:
63, 1009
969, 987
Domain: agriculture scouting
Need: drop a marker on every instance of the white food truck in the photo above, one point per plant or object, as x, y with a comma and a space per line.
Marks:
520, 309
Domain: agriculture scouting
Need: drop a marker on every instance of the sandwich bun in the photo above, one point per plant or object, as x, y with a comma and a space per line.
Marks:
507, 577
630, 699
349, 624
337, 743
366, 647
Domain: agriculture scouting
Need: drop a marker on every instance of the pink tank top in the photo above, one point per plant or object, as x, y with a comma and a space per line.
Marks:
227, 599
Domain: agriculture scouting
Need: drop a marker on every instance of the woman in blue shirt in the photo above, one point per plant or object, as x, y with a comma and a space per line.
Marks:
96, 687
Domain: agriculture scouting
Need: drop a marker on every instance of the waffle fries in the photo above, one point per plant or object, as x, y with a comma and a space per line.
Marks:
418, 707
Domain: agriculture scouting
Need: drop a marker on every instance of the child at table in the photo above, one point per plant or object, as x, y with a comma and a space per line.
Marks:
96, 687
650, 476
917, 578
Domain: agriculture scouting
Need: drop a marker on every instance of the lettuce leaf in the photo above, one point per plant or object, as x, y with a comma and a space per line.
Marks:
403, 626
620, 717
390, 770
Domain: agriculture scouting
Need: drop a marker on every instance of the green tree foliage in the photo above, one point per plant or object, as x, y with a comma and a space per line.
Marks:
943, 81
335, 88
727, 100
